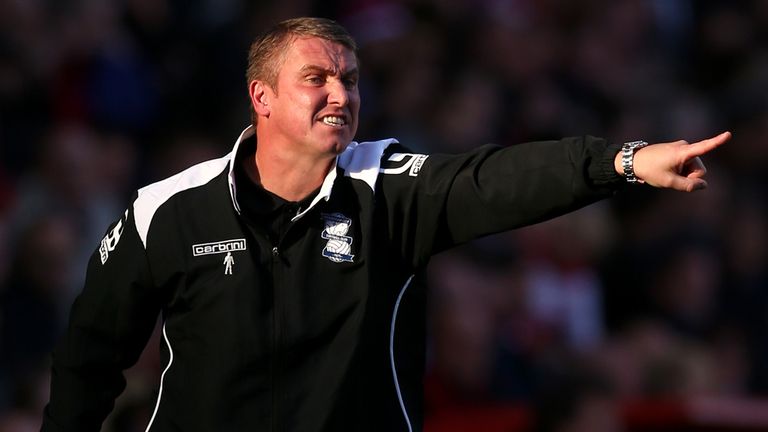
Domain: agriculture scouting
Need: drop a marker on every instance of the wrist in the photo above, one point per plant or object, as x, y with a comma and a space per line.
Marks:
624, 162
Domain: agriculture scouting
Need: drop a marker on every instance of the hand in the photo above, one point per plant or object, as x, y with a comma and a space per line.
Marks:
674, 165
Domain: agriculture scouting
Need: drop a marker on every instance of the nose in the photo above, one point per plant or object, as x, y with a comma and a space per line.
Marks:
337, 93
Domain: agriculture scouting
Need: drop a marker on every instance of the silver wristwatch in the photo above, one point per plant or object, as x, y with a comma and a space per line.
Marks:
628, 158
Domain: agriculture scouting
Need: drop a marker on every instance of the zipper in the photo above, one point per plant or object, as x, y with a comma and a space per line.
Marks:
276, 345
278, 315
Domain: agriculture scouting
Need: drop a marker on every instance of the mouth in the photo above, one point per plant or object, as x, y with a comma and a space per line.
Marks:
334, 120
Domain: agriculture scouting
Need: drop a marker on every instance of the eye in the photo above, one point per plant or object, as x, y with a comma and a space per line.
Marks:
350, 83
315, 79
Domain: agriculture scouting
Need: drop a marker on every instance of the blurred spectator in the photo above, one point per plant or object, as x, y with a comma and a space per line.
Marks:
577, 400
466, 293
562, 288
27, 403
31, 313
6, 203
69, 180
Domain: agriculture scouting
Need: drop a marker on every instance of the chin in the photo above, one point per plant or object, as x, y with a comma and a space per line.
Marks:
340, 147
334, 144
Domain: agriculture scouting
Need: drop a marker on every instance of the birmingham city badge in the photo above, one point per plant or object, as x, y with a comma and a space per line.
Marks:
339, 246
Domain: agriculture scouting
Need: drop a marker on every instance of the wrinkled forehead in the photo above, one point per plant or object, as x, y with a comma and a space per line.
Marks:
305, 51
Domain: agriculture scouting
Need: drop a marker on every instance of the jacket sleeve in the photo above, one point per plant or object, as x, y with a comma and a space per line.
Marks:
439, 201
110, 323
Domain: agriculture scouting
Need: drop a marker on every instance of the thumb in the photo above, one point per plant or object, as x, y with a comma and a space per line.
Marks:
688, 184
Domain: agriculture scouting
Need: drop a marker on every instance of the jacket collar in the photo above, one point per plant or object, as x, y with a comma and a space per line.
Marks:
323, 194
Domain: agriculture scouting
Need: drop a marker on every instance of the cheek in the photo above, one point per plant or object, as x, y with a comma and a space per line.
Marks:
302, 101
354, 103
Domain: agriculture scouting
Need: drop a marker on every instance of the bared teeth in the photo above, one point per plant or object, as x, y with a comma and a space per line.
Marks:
334, 121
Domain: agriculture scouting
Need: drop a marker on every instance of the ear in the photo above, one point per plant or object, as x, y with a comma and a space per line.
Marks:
260, 94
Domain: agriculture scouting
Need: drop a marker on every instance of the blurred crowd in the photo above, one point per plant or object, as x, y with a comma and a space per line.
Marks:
651, 294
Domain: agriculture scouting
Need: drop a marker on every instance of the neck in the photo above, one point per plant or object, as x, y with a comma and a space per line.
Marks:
291, 178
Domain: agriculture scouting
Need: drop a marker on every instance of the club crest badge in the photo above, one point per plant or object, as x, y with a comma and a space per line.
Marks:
339, 246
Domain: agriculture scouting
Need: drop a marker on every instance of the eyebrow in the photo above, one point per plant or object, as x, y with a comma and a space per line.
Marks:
319, 69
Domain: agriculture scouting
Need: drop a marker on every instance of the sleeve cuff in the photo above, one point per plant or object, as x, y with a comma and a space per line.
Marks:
602, 170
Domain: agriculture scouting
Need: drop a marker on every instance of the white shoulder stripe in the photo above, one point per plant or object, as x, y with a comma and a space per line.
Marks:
151, 197
362, 160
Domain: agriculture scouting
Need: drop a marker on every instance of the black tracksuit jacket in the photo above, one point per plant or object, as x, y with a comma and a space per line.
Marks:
315, 330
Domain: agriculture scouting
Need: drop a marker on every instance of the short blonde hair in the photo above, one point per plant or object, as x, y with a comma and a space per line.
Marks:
265, 54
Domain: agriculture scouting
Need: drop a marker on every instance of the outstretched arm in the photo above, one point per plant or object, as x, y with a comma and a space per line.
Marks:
674, 165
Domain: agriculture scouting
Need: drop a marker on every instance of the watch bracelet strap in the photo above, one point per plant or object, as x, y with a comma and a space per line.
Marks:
628, 159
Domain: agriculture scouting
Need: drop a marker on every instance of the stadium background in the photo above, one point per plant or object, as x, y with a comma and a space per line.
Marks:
645, 312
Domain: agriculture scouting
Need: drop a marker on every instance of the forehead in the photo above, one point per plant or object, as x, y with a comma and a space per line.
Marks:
314, 51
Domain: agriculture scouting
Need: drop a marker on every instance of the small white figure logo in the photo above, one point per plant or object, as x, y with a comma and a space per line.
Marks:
229, 261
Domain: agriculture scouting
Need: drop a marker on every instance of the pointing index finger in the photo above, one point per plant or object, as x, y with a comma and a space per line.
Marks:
707, 145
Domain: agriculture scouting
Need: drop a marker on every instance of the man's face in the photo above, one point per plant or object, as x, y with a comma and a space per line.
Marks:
316, 103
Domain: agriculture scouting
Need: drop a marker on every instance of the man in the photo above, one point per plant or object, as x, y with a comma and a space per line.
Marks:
310, 325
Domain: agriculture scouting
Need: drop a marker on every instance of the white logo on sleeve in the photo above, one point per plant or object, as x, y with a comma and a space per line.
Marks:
109, 242
411, 162
339, 246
